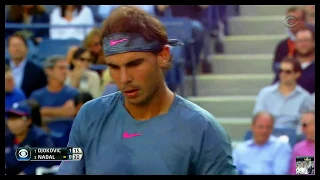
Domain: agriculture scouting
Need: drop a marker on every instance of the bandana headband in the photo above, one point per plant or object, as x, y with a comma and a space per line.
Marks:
131, 42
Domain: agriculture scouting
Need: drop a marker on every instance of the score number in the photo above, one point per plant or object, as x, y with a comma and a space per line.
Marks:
75, 154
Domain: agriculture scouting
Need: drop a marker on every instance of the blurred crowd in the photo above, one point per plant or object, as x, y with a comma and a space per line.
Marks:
41, 101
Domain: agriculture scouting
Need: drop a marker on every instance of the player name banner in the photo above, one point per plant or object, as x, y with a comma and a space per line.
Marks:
49, 154
305, 165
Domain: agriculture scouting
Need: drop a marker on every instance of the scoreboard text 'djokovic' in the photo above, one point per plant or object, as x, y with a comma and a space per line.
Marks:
49, 154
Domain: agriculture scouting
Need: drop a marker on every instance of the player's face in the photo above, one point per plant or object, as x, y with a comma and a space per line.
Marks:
308, 125
262, 128
138, 74
18, 125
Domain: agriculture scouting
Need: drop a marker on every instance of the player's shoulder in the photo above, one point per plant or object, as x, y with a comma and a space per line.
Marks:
106, 102
190, 110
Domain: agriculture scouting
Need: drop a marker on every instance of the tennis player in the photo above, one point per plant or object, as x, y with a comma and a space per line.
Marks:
144, 129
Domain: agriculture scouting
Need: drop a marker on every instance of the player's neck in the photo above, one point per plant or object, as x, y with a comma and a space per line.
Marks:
159, 104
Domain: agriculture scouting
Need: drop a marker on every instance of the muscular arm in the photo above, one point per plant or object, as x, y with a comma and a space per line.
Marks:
61, 111
215, 157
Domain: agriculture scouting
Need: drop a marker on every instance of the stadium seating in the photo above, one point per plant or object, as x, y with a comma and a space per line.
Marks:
173, 27
49, 47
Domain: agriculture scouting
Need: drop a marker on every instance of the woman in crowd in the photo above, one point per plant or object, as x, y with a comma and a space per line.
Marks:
93, 43
28, 14
80, 76
71, 15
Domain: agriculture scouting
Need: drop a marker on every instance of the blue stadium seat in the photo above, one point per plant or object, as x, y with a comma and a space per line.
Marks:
290, 133
179, 28
96, 16
98, 67
49, 47
6, 56
49, 8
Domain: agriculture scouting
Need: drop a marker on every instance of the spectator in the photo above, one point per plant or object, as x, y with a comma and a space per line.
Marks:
81, 77
265, 153
305, 53
93, 43
196, 13
28, 14
286, 47
22, 132
105, 10
56, 99
12, 93
307, 146
81, 99
310, 15
27, 75
309, 104
71, 15
285, 98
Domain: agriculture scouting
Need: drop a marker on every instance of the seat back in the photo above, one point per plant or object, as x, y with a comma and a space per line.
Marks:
178, 28
49, 47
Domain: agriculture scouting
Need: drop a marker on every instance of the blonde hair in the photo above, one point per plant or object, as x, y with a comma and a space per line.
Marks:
88, 41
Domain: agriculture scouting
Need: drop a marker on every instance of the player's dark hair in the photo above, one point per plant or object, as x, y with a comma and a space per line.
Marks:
131, 19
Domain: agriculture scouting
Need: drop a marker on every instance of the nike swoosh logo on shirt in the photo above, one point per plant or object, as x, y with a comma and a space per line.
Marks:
112, 43
126, 135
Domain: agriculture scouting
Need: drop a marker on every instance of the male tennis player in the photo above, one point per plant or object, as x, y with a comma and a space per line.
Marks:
145, 128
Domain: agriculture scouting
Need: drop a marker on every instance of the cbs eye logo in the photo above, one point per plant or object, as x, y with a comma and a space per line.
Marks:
23, 154
290, 21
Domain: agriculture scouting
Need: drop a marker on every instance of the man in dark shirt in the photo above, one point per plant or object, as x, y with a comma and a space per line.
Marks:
305, 53
286, 47
27, 75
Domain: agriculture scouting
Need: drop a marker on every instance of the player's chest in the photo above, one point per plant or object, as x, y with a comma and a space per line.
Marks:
140, 151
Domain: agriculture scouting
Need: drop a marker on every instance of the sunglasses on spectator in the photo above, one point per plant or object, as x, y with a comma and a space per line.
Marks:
286, 71
84, 59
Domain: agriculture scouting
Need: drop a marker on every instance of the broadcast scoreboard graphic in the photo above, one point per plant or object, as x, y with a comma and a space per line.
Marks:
49, 154
305, 165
